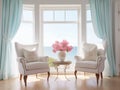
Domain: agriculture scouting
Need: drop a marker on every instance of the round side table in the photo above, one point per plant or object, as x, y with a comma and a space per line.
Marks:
58, 63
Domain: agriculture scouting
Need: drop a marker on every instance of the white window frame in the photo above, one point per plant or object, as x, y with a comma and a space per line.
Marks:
59, 7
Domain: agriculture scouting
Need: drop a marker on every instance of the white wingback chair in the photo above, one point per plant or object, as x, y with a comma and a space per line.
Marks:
93, 61
29, 62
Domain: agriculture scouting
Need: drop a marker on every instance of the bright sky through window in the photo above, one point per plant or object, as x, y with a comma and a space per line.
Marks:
60, 25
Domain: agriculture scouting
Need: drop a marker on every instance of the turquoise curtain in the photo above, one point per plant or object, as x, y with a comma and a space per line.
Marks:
11, 17
101, 11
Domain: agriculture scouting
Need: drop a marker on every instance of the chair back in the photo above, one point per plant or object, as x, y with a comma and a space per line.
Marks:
19, 48
89, 51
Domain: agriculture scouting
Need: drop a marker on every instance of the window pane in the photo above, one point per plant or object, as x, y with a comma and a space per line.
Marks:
22, 34
59, 15
60, 32
71, 15
88, 15
47, 15
27, 15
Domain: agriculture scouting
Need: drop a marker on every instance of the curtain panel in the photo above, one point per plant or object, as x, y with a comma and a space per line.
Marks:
11, 18
101, 11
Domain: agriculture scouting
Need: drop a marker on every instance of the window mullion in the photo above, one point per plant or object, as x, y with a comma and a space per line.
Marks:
61, 22
64, 15
53, 15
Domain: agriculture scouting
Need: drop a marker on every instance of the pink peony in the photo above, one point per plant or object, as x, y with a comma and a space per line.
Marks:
69, 48
61, 46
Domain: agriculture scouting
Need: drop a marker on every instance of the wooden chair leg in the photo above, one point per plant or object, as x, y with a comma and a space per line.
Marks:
97, 77
48, 76
20, 76
101, 75
75, 73
25, 80
36, 76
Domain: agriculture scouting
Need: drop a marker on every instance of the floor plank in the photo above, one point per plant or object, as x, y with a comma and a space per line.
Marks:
82, 83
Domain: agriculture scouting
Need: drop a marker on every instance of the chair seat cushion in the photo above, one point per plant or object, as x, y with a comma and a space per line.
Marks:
36, 65
86, 64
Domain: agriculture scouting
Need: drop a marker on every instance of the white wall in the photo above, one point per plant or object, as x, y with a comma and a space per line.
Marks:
0, 10
117, 35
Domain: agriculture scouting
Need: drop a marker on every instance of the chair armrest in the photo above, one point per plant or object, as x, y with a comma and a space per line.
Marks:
101, 59
43, 59
21, 60
78, 58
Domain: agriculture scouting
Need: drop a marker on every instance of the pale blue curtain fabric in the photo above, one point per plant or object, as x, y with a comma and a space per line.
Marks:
11, 17
101, 11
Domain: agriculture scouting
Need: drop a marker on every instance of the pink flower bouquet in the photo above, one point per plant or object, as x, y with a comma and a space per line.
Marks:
61, 46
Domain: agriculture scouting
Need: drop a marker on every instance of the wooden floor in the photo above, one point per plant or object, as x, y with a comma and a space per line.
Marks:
82, 83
